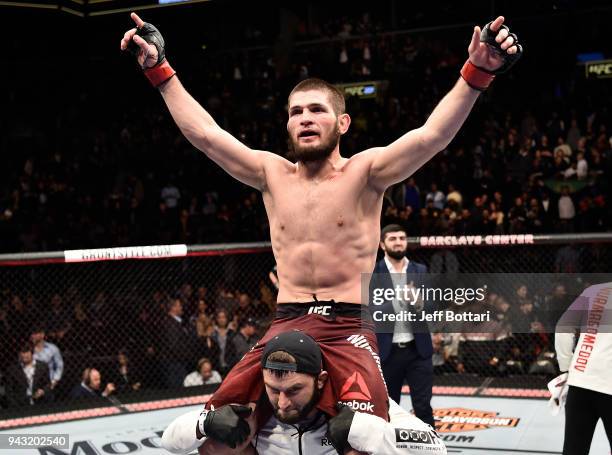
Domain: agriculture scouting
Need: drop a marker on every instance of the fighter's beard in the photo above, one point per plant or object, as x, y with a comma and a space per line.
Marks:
309, 154
302, 413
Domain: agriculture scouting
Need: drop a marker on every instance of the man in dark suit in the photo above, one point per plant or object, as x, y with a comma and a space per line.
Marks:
405, 347
176, 345
28, 381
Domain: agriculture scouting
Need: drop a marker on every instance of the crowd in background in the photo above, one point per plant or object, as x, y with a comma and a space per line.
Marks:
187, 337
86, 342
122, 174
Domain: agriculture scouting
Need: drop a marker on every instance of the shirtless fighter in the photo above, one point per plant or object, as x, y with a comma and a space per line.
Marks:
324, 212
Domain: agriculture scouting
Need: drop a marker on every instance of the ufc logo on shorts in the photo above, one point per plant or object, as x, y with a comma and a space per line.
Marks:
323, 310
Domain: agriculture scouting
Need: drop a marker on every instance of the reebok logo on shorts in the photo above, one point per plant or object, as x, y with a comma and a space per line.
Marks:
355, 388
355, 394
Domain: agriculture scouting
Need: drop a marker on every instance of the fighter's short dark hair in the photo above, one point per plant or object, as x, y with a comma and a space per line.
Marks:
335, 95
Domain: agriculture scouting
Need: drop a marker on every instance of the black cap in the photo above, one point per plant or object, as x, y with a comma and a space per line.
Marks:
303, 347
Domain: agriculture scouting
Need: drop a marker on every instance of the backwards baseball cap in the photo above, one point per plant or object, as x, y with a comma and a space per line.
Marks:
301, 346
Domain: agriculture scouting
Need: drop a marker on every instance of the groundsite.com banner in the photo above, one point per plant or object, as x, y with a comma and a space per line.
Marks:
495, 305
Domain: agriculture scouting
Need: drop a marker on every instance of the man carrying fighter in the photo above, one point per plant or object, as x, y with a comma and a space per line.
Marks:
294, 375
324, 210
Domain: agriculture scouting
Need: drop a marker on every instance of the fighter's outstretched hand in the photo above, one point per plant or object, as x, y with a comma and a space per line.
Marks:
147, 44
142, 42
494, 48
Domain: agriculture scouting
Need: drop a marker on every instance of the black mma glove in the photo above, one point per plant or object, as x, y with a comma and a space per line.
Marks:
488, 36
480, 78
338, 428
151, 35
226, 424
162, 71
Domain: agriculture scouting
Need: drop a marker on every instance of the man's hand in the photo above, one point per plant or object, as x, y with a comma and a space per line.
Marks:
494, 47
39, 393
109, 389
146, 53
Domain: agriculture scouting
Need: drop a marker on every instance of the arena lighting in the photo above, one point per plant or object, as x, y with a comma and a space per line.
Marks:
85, 8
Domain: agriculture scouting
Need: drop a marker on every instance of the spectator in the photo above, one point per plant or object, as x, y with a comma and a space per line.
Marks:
554, 306
28, 382
176, 344
517, 217
245, 309
482, 345
436, 197
497, 217
567, 210
549, 212
48, 353
123, 377
222, 334
204, 375
526, 327
454, 197
563, 148
207, 346
91, 386
201, 318
534, 216
188, 297
226, 300
171, 195
444, 357
242, 341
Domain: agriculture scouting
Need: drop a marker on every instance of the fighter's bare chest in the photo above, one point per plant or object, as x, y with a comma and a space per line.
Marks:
329, 201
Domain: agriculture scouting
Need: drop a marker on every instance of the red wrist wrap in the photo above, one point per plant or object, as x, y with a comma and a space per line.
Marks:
159, 74
475, 77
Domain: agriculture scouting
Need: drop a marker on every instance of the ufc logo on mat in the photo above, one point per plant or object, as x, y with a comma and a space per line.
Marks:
323, 310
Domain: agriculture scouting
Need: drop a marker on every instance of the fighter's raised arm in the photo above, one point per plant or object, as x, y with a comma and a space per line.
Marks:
240, 161
491, 51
